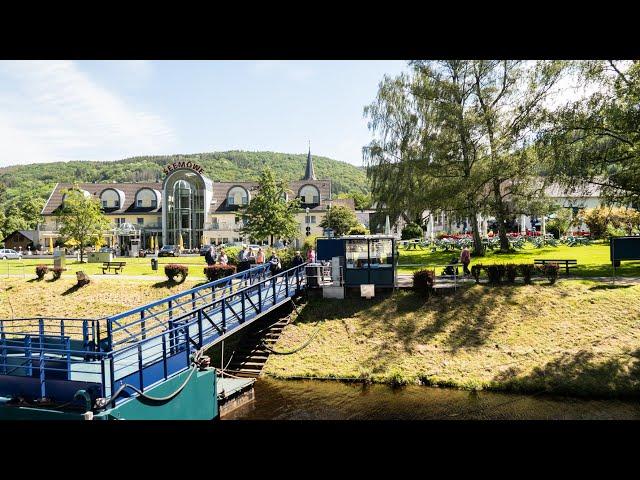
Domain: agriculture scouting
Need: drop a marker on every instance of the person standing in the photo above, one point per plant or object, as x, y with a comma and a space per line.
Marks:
311, 255
260, 257
465, 259
209, 256
223, 259
298, 260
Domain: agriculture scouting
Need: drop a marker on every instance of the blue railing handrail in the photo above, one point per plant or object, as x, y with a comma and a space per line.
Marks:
210, 304
220, 281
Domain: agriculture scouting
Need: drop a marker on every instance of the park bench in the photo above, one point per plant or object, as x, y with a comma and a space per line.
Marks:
115, 266
567, 263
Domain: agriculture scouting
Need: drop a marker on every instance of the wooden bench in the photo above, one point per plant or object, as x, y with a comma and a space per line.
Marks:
567, 263
115, 266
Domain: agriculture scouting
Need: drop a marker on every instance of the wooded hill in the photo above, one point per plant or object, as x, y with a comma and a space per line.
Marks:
40, 178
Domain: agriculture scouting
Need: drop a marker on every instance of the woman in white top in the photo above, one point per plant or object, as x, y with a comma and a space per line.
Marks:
223, 258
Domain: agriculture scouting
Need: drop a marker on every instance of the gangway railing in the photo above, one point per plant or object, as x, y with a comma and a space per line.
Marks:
54, 358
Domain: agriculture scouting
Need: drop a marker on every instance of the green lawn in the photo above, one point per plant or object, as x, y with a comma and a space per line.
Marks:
135, 266
593, 260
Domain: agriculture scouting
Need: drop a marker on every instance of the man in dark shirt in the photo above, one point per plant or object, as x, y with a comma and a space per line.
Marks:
297, 259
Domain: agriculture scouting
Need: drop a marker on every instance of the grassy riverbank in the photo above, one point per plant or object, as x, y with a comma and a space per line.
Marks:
576, 338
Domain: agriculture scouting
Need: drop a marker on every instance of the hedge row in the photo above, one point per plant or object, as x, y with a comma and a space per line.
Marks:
510, 271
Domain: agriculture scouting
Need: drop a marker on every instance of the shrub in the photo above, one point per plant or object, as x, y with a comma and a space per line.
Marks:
216, 272
286, 257
232, 254
495, 273
527, 270
57, 272
511, 271
550, 270
475, 271
423, 281
41, 271
174, 270
442, 234
309, 243
411, 230
359, 230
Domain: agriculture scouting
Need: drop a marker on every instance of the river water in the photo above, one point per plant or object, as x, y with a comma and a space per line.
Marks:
329, 400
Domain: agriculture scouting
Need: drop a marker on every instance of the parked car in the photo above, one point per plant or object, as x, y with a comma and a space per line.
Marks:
204, 249
106, 250
9, 254
169, 251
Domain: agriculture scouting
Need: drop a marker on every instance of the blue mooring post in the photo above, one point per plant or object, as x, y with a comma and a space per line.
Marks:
3, 349
27, 354
43, 393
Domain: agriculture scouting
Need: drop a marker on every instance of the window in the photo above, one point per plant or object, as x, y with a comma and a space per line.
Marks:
238, 196
313, 219
104, 204
309, 195
310, 219
154, 203
139, 202
140, 221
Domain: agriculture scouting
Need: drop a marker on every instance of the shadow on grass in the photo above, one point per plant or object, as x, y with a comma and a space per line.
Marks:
609, 287
72, 289
166, 284
581, 375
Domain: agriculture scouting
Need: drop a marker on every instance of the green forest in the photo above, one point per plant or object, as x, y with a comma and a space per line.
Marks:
25, 188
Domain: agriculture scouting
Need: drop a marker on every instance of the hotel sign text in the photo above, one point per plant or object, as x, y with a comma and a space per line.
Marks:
177, 165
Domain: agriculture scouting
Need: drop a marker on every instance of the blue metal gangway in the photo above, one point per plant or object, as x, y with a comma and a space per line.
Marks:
54, 358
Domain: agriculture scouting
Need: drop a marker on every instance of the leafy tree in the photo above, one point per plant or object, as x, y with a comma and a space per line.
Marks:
410, 231
510, 99
269, 215
596, 139
425, 154
562, 221
340, 219
81, 219
361, 200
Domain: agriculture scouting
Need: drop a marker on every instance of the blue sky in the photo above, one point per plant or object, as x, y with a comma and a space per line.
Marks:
107, 110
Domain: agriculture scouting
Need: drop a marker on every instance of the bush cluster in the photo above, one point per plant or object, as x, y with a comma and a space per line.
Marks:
496, 273
41, 271
175, 271
423, 281
216, 272
57, 272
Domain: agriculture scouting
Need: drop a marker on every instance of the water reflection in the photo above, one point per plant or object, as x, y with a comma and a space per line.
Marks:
318, 400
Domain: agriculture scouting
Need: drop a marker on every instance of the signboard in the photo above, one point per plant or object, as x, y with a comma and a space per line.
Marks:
367, 291
624, 248
178, 165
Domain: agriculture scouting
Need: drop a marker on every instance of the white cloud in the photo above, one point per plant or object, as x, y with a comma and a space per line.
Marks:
291, 69
54, 111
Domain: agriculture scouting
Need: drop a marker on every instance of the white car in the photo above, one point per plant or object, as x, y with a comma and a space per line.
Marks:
7, 253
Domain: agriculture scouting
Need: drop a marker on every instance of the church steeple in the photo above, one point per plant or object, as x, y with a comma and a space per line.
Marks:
310, 173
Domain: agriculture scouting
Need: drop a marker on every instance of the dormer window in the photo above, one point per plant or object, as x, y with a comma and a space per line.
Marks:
309, 195
238, 196
147, 198
111, 198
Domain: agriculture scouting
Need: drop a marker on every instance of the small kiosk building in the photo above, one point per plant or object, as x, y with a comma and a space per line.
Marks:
366, 259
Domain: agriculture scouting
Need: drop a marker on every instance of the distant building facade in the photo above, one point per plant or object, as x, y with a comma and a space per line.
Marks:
189, 205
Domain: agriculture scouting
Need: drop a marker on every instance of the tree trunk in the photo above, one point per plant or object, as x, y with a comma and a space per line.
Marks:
478, 247
271, 242
501, 218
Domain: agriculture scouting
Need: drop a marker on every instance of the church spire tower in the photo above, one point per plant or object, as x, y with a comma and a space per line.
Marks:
310, 173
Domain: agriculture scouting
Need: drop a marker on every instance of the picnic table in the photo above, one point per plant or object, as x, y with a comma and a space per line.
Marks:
117, 267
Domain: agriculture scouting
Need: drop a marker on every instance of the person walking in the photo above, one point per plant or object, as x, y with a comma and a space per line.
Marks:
260, 257
274, 262
465, 259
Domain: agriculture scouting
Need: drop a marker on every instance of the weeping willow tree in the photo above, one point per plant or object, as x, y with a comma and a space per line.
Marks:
460, 136
426, 154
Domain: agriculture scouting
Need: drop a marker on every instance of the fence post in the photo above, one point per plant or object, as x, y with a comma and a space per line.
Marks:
67, 347
273, 283
164, 355
260, 297
85, 334
242, 299
224, 315
140, 375
27, 354
143, 330
3, 349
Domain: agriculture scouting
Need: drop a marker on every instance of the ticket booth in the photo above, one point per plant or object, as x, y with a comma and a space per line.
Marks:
368, 259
